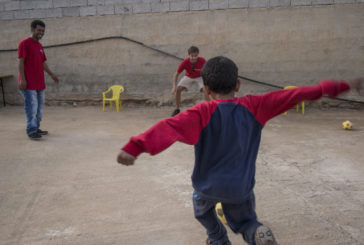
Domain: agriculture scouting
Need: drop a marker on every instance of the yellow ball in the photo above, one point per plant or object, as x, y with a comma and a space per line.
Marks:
347, 125
220, 213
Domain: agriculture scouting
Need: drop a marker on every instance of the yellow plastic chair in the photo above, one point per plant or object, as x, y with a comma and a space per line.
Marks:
298, 106
116, 91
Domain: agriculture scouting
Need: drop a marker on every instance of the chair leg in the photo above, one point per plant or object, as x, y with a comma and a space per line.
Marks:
110, 104
120, 104
117, 105
103, 105
303, 108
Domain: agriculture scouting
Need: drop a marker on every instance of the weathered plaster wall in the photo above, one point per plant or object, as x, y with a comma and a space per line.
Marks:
288, 45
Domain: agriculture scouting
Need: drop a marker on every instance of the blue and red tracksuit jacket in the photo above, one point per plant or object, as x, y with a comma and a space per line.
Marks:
226, 135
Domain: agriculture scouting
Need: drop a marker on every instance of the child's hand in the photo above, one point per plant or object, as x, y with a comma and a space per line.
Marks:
357, 84
125, 158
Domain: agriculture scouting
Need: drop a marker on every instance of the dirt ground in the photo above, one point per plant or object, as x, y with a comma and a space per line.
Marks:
68, 189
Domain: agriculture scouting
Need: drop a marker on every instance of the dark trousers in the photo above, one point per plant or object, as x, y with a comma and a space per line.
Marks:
240, 217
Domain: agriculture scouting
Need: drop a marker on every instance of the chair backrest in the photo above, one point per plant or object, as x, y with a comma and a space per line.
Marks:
289, 87
116, 90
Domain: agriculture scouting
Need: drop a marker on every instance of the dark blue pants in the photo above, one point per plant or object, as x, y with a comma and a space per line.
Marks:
240, 217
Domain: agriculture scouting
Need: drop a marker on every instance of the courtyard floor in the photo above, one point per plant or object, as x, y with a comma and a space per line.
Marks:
68, 189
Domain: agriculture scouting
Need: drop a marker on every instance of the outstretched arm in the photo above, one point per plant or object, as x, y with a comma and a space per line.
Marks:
269, 105
185, 127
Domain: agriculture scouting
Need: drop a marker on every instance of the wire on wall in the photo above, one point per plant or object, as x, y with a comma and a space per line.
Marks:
162, 52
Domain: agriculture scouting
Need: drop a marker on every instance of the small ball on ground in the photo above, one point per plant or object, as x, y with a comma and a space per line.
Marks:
347, 125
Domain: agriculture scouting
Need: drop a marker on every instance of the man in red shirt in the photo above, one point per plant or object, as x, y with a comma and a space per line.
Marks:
193, 65
31, 78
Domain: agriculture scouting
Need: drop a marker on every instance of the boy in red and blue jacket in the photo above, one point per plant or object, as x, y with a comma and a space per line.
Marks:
226, 134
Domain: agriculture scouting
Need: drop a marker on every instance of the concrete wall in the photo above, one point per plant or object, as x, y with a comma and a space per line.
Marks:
285, 45
28, 9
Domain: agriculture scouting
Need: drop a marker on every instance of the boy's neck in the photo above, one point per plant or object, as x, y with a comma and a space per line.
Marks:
216, 96
193, 61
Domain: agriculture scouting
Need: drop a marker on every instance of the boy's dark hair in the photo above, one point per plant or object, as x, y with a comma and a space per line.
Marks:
36, 23
193, 49
220, 75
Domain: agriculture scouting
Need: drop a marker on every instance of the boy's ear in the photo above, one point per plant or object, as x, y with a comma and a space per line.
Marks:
207, 90
237, 87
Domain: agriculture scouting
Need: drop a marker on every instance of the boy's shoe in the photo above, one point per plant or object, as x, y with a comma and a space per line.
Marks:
264, 236
175, 112
41, 132
35, 136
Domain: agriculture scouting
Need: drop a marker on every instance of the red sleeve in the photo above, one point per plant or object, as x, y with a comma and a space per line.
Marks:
22, 50
44, 56
185, 127
181, 66
269, 105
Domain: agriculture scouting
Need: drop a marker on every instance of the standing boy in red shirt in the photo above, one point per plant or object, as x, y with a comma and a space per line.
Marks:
31, 78
193, 65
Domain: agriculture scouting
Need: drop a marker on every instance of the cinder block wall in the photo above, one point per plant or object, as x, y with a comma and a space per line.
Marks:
27, 9
282, 42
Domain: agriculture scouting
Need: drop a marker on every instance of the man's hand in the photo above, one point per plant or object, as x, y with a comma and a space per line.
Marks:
50, 73
55, 79
173, 91
23, 85
125, 158
357, 84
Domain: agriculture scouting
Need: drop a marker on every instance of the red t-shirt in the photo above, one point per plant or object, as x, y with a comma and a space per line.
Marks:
192, 70
34, 57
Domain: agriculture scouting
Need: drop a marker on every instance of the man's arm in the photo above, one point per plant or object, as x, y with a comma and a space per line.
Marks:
23, 81
174, 84
50, 73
